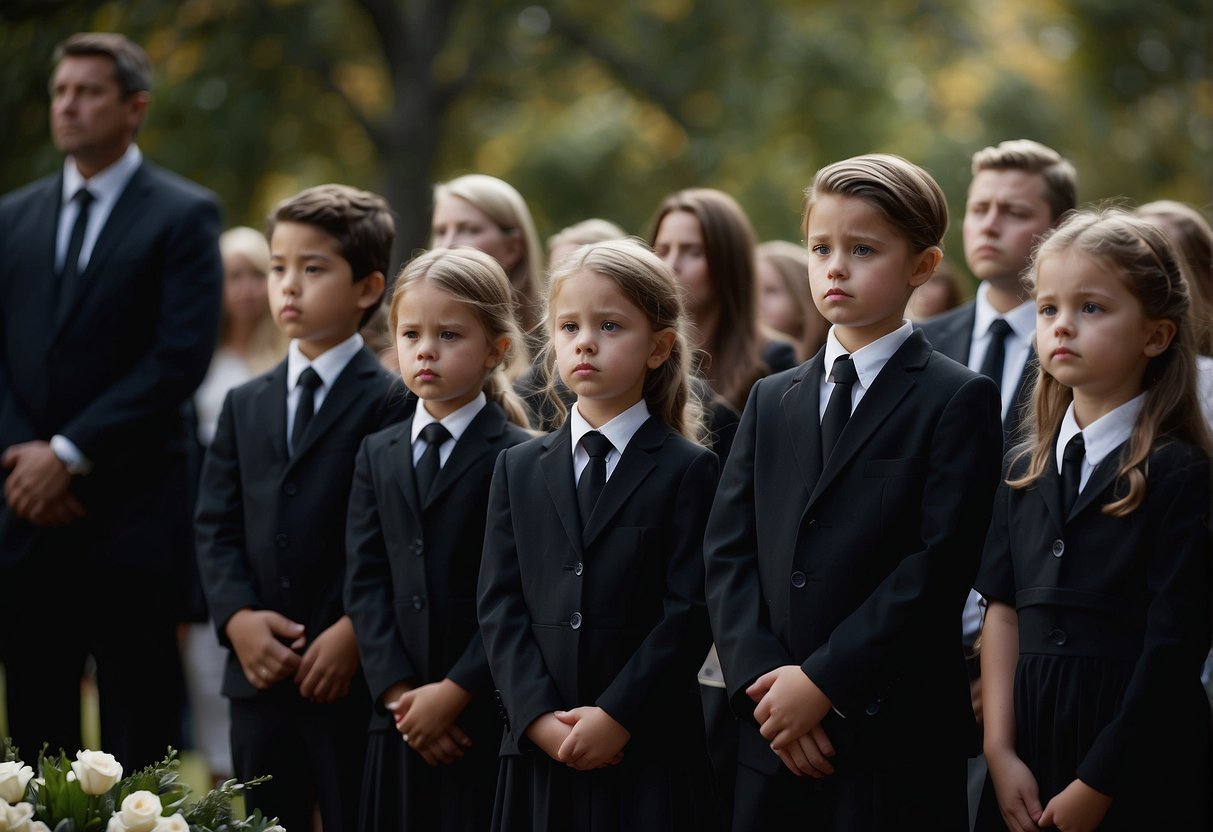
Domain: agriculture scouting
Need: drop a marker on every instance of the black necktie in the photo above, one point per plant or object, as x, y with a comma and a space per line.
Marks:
838, 411
1071, 472
433, 434
71, 263
593, 478
309, 381
996, 351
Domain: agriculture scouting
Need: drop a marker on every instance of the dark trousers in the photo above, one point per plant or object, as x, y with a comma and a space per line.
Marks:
64, 604
314, 753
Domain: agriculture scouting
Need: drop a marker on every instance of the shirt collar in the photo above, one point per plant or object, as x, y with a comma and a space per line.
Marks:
1104, 435
1022, 319
455, 423
107, 185
328, 365
869, 360
619, 430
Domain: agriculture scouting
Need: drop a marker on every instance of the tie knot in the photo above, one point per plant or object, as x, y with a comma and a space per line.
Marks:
435, 434
1000, 329
309, 379
83, 196
843, 371
1076, 448
596, 445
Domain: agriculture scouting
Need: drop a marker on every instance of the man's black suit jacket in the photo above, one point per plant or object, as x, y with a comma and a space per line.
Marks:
134, 343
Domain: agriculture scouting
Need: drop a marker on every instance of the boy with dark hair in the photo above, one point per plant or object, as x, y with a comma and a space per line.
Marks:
272, 506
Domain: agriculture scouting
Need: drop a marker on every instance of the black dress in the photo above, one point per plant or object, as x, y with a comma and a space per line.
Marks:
1114, 623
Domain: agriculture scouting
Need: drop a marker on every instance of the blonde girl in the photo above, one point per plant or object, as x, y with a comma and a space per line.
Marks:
591, 588
416, 525
1097, 566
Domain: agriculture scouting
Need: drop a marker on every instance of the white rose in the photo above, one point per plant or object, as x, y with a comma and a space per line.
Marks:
275, 828
38, 826
140, 811
174, 823
115, 824
14, 777
15, 818
96, 771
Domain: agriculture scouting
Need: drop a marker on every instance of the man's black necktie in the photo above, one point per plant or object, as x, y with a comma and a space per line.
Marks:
996, 351
309, 381
593, 477
838, 411
433, 434
70, 275
1071, 472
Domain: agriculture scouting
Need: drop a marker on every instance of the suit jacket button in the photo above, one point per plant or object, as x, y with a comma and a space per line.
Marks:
282, 540
798, 579
418, 547
575, 621
873, 708
285, 583
418, 602
1058, 637
812, 523
1059, 548
578, 569
290, 489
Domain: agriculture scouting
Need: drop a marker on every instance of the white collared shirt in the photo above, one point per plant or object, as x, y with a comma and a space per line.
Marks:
869, 361
455, 423
1101, 437
105, 187
1022, 320
328, 365
619, 431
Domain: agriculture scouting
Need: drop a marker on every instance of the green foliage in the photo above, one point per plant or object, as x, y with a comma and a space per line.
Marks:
601, 110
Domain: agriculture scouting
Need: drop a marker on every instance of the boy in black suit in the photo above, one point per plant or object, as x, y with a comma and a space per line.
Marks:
846, 531
272, 507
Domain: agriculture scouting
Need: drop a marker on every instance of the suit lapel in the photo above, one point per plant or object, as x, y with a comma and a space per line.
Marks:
557, 466
487, 425
270, 404
633, 467
1101, 479
801, 406
48, 220
892, 384
402, 461
1049, 488
341, 398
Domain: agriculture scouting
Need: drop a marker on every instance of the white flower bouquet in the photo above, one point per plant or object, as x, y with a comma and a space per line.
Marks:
90, 794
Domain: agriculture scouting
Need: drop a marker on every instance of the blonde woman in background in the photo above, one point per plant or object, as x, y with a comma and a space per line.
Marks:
249, 344
784, 302
593, 230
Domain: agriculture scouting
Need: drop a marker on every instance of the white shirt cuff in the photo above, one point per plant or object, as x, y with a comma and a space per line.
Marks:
74, 460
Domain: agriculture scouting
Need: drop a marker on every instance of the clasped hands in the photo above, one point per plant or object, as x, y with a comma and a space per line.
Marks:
584, 738
425, 717
268, 645
1076, 808
37, 485
789, 710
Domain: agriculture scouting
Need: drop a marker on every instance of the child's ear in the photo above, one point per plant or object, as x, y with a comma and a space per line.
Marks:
663, 344
497, 352
1159, 335
925, 265
370, 290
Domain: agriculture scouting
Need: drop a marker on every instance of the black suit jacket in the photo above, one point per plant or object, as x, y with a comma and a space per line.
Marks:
952, 334
113, 376
614, 617
410, 584
271, 527
1136, 588
857, 570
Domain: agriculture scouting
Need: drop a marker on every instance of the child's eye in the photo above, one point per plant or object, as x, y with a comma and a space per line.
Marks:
447, 335
610, 326
312, 270
568, 326
862, 250
409, 334
821, 249
1047, 310
1090, 308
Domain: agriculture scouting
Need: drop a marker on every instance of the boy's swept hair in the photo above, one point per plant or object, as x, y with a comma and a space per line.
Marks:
650, 285
132, 69
1139, 254
475, 278
360, 221
268, 345
1061, 180
508, 210
1192, 238
734, 355
908, 197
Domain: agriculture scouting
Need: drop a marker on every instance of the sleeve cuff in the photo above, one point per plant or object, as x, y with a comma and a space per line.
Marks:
77, 464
